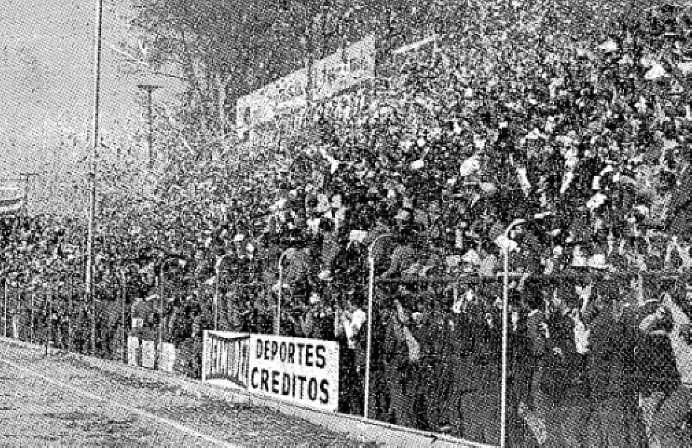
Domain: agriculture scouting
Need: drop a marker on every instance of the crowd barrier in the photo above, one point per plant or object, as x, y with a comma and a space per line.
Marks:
443, 373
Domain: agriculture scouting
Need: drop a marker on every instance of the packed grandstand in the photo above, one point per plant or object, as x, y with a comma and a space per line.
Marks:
583, 135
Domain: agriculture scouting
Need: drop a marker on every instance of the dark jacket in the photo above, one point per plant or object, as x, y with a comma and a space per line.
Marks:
657, 370
564, 378
606, 357
680, 209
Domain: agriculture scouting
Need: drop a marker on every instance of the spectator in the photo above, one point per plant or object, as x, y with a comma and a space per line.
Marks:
402, 356
605, 371
349, 331
658, 374
563, 380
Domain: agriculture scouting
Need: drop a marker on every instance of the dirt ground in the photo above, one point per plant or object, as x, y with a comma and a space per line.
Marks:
64, 401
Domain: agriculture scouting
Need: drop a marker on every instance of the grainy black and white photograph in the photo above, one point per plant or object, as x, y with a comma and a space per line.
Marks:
346, 223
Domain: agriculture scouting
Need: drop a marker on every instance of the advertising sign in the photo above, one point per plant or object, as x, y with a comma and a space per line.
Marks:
148, 354
225, 358
133, 351
343, 69
167, 357
285, 94
302, 371
331, 75
11, 199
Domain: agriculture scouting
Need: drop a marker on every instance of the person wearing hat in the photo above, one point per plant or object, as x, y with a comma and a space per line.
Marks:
526, 352
533, 293
608, 425
674, 411
679, 220
349, 320
657, 372
401, 359
563, 377
404, 254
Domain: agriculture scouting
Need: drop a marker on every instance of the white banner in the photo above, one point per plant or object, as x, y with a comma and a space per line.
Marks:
11, 199
343, 69
302, 371
133, 351
167, 357
148, 354
281, 96
331, 75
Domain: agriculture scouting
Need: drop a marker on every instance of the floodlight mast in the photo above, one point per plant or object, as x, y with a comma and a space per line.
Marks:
89, 280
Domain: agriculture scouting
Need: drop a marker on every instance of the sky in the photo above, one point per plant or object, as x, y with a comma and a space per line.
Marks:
46, 77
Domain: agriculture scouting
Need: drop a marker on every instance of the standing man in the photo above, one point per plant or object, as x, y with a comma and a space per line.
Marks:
679, 222
657, 371
674, 411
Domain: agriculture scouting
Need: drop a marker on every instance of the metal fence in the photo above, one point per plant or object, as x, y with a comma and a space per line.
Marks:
590, 357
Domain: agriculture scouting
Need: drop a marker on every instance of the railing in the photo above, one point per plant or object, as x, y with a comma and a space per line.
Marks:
475, 385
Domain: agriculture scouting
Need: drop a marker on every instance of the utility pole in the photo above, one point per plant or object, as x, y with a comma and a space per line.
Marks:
89, 287
149, 88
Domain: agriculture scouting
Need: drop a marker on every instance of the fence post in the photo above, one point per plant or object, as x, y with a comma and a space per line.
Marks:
49, 319
70, 306
123, 335
277, 322
17, 312
159, 336
505, 335
31, 314
4, 308
368, 350
215, 304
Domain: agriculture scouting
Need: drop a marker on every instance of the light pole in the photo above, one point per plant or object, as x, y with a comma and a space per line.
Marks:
149, 88
89, 292
371, 293
505, 331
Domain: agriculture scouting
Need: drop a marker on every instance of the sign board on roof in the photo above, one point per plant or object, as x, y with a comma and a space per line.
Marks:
331, 75
344, 69
11, 199
283, 95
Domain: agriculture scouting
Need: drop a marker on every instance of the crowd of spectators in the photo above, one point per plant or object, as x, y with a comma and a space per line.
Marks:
584, 136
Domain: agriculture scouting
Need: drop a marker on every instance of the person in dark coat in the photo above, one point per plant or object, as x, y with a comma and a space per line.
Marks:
679, 222
402, 356
563, 379
348, 326
658, 375
482, 404
605, 371
457, 372
522, 366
